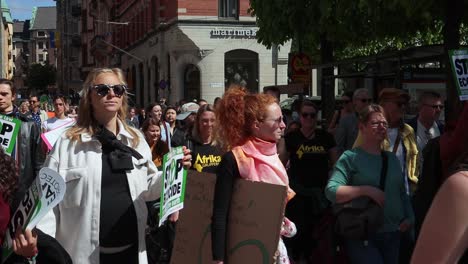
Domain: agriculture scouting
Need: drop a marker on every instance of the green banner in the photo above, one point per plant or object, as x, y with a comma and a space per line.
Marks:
459, 62
9, 129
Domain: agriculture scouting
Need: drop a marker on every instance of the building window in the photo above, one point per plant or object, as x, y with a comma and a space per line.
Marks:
192, 82
41, 33
41, 57
229, 8
14, 57
241, 67
40, 45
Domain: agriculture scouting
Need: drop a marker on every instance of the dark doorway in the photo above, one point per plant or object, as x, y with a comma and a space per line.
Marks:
241, 68
191, 82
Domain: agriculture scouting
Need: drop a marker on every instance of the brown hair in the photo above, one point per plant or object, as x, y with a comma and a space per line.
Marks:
161, 147
10, 83
196, 128
86, 122
366, 113
236, 113
8, 176
307, 102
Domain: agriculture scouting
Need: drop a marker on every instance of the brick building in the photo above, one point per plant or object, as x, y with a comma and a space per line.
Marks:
182, 49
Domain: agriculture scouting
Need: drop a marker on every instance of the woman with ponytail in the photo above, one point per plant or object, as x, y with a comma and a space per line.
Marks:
249, 126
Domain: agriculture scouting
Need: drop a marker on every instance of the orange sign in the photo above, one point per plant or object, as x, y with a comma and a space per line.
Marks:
301, 68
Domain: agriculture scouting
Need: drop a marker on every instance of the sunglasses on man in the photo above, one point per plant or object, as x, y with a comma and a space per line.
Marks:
435, 107
104, 89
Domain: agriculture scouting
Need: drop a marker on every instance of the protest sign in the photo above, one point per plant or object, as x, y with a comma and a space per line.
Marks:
52, 136
459, 62
193, 238
173, 187
254, 222
9, 129
45, 192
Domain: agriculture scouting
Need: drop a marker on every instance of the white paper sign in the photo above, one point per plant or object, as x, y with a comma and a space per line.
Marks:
44, 194
459, 62
174, 180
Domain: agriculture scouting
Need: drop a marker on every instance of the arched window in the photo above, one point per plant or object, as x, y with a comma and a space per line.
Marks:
241, 67
191, 82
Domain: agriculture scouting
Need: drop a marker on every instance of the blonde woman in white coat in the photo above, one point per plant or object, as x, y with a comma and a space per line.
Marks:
109, 174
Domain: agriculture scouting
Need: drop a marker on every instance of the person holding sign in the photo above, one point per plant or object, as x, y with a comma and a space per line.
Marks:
25, 243
109, 174
28, 152
250, 124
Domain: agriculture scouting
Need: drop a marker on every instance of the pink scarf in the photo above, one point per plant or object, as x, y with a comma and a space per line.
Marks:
258, 160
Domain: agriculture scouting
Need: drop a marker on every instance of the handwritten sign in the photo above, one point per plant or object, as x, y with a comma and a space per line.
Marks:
174, 179
9, 129
44, 194
459, 62
254, 221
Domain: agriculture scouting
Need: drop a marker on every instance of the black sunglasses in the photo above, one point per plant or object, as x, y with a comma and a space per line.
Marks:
441, 107
103, 89
311, 115
366, 100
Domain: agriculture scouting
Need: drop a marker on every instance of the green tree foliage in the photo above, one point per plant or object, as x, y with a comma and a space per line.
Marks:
355, 28
40, 76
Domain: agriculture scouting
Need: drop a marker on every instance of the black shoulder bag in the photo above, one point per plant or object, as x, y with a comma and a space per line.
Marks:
361, 217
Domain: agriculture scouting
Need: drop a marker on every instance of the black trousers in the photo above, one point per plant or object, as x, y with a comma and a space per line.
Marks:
128, 256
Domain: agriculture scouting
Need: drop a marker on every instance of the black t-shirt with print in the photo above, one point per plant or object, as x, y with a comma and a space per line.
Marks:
205, 157
309, 158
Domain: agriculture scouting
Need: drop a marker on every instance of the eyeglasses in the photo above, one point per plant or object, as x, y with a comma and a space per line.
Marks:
103, 89
311, 115
366, 100
346, 101
435, 107
376, 124
32, 101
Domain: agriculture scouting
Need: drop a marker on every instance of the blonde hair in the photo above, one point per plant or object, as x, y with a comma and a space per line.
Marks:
86, 122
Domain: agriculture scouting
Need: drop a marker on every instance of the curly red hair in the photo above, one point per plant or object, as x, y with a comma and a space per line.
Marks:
236, 113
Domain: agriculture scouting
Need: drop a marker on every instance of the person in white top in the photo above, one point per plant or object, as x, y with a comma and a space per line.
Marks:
109, 174
60, 119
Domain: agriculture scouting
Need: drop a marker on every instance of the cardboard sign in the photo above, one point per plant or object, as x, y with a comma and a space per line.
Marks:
9, 129
459, 62
254, 222
173, 187
44, 194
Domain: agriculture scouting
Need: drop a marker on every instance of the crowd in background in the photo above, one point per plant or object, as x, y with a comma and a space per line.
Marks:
321, 166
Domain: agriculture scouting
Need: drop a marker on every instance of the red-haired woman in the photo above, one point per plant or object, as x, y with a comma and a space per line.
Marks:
250, 124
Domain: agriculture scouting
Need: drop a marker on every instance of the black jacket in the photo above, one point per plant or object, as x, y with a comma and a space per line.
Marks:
31, 155
414, 124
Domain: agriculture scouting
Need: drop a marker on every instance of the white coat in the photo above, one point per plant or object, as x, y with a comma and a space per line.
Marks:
75, 220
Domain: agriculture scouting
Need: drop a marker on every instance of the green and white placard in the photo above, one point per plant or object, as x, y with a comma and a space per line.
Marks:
9, 129
174, 180
459, 62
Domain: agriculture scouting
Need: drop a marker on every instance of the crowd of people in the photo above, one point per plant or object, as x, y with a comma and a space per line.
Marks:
111, 156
